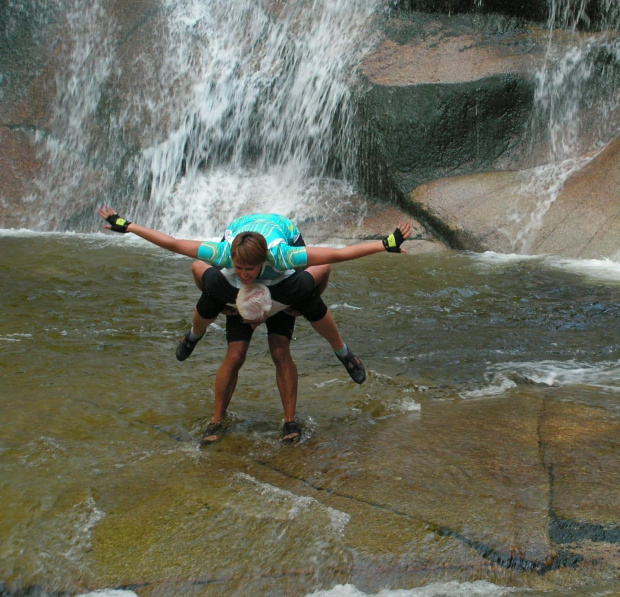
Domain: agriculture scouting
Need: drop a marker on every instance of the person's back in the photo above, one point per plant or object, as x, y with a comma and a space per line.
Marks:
285, 250
274, 227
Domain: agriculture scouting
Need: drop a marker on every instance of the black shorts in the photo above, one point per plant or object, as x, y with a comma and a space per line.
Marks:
292, 290
237, 330
297, 288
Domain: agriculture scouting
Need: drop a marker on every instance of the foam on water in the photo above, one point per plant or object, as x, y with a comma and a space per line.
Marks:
606, 270
503, 377
296, 504
598, 269
109, 593
201, 205
441, 589
407, 405
17, 337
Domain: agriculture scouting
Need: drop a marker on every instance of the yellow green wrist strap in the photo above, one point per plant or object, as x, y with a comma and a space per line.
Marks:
117, 224
393, 241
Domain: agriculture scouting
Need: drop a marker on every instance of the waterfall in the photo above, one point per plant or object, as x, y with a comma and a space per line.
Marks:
71, 148
227, 107
577, 104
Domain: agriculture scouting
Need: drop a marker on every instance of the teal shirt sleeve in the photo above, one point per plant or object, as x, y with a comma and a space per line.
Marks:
215, 253
287, 257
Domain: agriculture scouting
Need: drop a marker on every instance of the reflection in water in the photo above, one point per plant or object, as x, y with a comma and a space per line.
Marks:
480, 454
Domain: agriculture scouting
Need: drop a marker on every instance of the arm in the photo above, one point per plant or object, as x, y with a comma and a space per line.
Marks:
183, 247
325, 255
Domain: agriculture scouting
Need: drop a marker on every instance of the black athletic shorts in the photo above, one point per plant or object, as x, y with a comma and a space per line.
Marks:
237, 330
297, 288
290, 291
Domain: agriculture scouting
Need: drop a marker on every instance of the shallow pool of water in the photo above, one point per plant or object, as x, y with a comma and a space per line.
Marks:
483, 446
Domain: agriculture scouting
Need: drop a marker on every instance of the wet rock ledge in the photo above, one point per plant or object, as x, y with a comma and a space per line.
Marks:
444, 116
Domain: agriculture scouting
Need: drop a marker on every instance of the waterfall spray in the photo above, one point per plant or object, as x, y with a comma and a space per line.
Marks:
227, 107
267, 114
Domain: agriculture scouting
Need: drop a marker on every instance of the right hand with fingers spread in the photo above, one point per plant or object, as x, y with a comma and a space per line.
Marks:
393, 241
117, 224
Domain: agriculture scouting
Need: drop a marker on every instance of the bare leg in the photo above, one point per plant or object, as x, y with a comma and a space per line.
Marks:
325, 327
286, 374
198, 269
320, 273
226, 380
200, 324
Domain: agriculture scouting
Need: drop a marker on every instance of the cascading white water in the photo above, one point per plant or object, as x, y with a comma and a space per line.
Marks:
85, 42
257, 129
240, 106
577, 106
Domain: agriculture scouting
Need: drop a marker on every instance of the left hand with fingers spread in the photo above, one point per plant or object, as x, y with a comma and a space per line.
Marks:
393, 241
117, 224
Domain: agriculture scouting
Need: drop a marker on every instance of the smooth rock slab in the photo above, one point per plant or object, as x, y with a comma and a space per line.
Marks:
508, 212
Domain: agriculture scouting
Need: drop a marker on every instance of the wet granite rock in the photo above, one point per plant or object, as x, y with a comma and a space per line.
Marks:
584, 221
444, 96
529, 9
493, 211
596, 13
514, 491
446, 132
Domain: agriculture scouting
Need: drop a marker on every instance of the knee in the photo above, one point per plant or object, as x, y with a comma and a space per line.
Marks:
198, 270
280, 351
320, 273
313, 309
235, 356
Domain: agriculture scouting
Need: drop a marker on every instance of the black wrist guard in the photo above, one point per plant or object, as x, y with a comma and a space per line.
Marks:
393, 241
117, 224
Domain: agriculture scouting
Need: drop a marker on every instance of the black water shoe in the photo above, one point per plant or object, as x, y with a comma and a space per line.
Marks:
354, 366
291, 432
186, 346
213, 430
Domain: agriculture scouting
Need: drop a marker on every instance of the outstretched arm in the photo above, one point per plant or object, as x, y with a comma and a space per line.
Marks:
325, 255
183, 247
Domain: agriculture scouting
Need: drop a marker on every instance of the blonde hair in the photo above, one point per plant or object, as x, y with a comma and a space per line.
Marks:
249, 248
253, 301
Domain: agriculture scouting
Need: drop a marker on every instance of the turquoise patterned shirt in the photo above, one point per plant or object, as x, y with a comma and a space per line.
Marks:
282, 258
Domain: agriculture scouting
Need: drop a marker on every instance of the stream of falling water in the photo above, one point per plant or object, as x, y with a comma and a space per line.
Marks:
577, 105
231, 107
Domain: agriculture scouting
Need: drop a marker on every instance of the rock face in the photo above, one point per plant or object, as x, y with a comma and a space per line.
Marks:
447, 132
443, 98
584, 221
596, 14
34, 49
442, 115
505, 212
